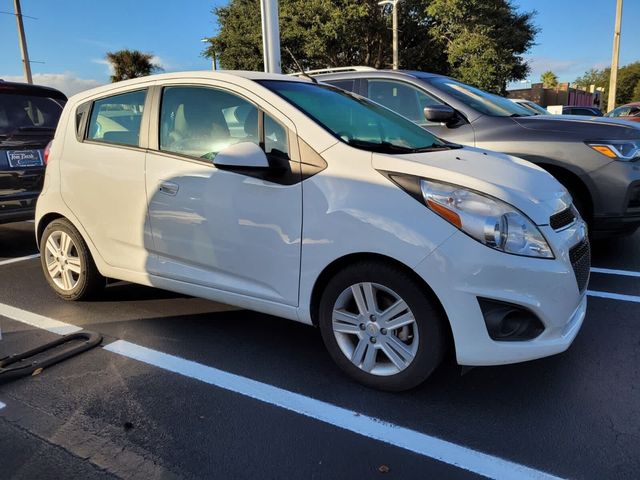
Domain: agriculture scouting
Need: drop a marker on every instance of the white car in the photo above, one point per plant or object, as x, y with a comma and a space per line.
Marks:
304, 201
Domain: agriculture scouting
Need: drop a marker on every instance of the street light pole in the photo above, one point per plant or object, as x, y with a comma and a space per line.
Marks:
394, 17
270, 35
613, 79
213, 58
26, 65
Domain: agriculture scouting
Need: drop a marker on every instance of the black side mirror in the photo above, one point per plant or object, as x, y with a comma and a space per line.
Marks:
439, 113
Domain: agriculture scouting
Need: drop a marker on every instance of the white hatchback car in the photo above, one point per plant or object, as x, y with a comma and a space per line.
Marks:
300, 200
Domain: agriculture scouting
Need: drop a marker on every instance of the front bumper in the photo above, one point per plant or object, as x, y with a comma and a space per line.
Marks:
617, 186
462, 270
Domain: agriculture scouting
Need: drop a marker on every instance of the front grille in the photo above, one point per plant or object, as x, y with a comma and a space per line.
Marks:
580, 256
562, 219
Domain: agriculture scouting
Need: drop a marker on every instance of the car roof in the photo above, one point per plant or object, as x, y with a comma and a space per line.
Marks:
29, 89
240, 77
379, 73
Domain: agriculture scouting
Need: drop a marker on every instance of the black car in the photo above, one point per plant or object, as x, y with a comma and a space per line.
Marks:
586, 111
29, 115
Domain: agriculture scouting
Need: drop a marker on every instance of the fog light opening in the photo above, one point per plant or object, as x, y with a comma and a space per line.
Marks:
507, 322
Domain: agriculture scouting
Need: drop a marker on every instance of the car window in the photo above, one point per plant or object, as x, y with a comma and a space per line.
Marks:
355, 120
582, 111
200, 122
481, 101
117, 119
28, 113
349, 85
634, 111
402, 98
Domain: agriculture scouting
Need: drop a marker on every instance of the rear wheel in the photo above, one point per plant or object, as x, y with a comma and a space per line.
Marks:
67, 262
380, 327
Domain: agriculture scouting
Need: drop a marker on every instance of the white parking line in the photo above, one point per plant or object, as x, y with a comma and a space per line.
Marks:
374, 428
39, 321
2, 405
612, 271
614, 296
19, 259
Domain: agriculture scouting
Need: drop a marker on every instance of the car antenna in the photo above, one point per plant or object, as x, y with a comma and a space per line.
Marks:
302, 71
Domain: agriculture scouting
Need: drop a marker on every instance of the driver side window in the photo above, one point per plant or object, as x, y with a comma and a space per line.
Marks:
402, 98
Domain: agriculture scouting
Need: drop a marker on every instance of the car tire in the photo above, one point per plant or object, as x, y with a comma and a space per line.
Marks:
67, 262
404, 354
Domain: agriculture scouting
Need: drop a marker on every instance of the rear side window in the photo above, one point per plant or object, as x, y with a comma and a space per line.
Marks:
117, 119
25, 113
349, 85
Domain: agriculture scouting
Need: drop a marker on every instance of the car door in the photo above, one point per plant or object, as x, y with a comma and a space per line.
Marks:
103, 180
232, 230
409, 101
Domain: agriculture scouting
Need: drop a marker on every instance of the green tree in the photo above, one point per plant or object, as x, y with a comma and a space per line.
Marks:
485, 51
484, 40
636, 93
628, 78
126, 64
549, 79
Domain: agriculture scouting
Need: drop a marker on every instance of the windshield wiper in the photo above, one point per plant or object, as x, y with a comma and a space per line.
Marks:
434, 147
379, 147
36, 129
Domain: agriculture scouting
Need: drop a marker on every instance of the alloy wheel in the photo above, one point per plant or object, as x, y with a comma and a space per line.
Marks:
62, 260
375, 329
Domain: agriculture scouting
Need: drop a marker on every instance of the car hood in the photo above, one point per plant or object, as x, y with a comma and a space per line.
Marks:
587, 128
520, 183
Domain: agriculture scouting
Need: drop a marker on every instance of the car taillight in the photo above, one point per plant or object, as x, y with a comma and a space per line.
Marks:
47, 150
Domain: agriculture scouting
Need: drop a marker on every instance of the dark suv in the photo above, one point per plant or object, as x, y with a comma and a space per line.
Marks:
586, 111
595, 159
28, 118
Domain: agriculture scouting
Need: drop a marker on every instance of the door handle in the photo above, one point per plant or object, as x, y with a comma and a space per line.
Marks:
169, 188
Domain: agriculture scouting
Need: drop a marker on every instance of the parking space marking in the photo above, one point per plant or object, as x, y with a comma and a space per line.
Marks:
39, 321
612, 271
2, 405
614, 296
19, 259
374, 428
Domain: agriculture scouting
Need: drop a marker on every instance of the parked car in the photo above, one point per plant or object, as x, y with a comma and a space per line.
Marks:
594, 160
630, 112
323, 208
28, 117
532, 106
581, 110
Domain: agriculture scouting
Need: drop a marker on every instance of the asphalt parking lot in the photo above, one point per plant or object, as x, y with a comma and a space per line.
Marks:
188, 388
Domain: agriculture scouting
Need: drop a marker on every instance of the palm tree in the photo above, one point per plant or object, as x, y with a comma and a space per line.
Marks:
128, 64
549, 79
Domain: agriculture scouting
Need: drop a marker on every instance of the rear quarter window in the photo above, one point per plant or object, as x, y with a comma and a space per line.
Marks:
117, 119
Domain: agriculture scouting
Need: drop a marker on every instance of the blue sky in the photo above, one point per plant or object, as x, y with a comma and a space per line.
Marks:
72, 36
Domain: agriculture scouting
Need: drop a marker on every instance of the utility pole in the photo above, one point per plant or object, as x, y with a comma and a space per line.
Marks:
613, 79
270, 36
26, 65
394, 20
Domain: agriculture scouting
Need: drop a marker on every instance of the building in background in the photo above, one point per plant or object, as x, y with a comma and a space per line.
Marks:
563, 94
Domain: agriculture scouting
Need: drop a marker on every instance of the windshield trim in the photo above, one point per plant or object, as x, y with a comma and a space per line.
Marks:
438, 142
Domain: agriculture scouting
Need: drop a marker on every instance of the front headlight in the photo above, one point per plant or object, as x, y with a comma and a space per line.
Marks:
625, 150
490, 221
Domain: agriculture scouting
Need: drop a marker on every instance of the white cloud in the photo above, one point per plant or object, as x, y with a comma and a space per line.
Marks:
566, 70
67, 82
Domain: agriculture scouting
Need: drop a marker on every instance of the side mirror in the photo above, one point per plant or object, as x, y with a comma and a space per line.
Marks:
439, 113
241, 155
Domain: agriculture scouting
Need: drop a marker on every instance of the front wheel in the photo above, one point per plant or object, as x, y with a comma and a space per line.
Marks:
67, 262
381, 327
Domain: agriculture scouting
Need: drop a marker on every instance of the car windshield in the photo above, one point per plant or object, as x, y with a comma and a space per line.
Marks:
534, 107
356, 120
28, 113
483, 102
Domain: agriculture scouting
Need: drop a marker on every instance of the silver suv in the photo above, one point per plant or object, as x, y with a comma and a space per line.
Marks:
595, 159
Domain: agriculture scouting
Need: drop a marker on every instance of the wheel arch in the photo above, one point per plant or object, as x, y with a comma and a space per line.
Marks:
44, 221
330, 270
574, 183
